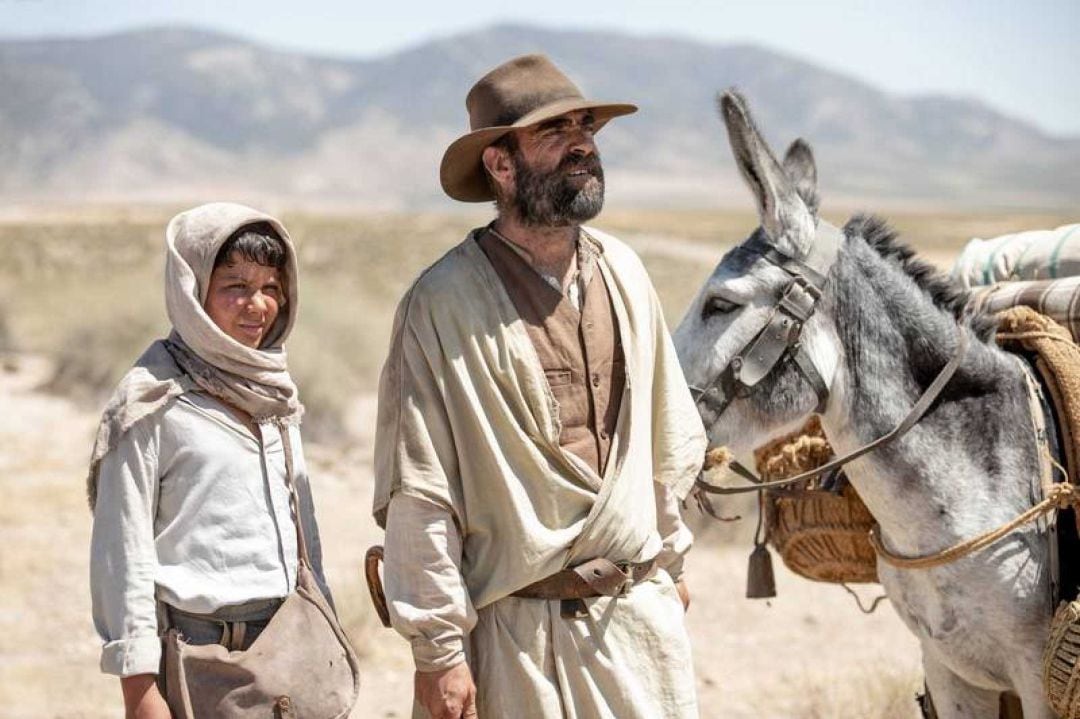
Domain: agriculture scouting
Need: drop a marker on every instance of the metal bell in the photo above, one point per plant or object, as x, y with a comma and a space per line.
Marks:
760, 582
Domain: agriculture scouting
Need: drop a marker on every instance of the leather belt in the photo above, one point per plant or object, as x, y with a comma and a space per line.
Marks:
598, 577
253, 611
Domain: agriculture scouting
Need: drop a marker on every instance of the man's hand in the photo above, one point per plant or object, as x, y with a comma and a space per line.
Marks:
142, 700
447, 694
684, 593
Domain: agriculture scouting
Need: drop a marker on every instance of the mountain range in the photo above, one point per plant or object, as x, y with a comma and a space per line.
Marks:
178, 114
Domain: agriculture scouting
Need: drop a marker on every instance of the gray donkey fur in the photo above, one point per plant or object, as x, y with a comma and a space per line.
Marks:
885, 326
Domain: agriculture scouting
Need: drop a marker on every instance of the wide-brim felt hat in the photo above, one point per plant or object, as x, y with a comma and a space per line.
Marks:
521, 92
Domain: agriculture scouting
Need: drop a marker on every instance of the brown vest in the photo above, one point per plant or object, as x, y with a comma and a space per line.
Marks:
581, 352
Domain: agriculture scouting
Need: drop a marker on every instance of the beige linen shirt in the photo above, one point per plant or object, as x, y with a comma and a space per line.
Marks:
468, 425
192, 510
432, 609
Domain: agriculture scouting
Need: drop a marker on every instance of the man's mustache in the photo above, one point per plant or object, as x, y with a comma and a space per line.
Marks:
590, 164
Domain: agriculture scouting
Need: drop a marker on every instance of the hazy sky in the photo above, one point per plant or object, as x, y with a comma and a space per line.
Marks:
1022, 57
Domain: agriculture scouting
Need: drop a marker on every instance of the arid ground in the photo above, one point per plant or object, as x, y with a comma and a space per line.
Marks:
80, 295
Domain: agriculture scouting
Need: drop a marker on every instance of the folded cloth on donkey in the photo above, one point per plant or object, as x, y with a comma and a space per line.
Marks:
1032, 255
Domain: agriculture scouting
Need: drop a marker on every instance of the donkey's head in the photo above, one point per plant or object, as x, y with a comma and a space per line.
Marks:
755, 344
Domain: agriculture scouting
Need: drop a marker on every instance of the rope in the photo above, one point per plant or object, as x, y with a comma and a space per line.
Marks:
1058, 496
858, 601
1032, 336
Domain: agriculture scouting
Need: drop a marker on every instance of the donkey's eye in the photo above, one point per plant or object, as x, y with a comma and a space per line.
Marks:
718, 306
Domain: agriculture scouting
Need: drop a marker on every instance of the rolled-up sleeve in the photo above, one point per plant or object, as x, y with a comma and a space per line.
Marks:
426, 594
123, 561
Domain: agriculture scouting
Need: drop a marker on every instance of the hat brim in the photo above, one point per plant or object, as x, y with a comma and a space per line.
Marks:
462, 170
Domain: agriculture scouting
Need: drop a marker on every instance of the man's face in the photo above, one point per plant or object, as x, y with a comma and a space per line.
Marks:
558, 178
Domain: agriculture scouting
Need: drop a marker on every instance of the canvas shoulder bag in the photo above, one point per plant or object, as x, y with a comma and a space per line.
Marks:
300, 666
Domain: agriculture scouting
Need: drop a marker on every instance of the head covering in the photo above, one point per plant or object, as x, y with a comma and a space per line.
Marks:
524, 91
198, 354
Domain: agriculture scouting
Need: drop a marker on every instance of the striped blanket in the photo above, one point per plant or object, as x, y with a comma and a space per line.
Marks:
1057, 299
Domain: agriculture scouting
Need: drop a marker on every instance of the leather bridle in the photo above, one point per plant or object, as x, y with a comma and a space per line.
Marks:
780, 340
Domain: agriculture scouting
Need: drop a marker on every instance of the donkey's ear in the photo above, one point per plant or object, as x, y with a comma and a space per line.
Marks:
784, 216
801, 170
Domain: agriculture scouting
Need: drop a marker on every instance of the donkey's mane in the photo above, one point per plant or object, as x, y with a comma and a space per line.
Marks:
945, 292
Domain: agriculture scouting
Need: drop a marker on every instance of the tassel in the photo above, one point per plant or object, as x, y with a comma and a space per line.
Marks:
717, 459
760, 583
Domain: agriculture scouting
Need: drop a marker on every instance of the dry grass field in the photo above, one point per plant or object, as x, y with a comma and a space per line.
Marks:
80, 296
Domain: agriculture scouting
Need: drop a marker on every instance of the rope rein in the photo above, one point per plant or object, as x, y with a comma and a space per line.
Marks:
1058, 496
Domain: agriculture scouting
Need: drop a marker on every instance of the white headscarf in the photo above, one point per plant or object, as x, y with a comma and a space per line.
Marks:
198, 354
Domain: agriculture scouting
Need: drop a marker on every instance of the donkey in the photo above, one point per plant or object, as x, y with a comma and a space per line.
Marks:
883, 326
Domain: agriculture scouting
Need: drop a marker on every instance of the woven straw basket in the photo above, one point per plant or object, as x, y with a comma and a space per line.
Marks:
1061, 674
820, 535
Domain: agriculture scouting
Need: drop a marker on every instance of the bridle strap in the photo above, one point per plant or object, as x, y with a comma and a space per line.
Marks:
917, 411
780, 337
810, 372
792, 265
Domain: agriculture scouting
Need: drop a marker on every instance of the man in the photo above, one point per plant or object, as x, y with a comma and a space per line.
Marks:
534, 432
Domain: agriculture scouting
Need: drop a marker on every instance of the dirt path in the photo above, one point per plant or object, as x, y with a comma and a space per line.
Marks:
808, 653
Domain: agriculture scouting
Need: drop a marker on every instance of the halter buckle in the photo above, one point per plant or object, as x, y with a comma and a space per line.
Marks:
798, 299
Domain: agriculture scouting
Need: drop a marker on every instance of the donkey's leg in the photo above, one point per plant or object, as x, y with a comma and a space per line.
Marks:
1035, 707
1033, 697
954, 698
1025, 666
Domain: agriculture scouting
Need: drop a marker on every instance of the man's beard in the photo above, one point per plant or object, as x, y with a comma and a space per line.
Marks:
549, 199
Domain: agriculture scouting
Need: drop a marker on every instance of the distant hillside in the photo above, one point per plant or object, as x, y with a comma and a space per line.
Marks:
166, 114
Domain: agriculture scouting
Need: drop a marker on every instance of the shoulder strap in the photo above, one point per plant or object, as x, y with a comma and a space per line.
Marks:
294, 499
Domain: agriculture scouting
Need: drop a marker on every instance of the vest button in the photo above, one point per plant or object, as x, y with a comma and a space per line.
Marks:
595, 380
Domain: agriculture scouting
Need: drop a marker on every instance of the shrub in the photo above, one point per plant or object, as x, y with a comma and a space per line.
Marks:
91, 359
